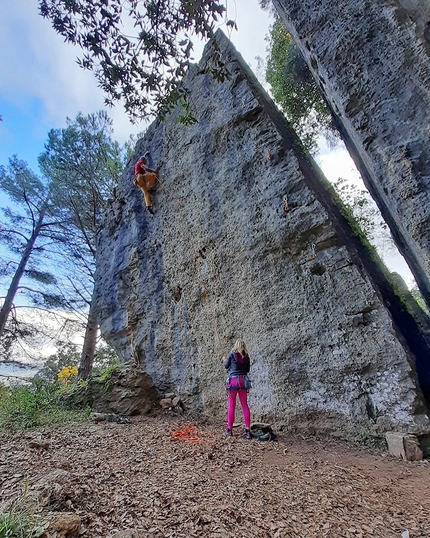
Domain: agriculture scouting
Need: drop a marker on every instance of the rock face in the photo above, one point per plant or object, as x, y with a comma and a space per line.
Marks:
222, 259
371, 60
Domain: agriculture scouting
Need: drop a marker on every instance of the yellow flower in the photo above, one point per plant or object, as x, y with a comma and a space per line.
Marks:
66, 374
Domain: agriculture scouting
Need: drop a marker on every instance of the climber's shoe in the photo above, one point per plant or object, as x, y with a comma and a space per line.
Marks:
228, 432
246, 434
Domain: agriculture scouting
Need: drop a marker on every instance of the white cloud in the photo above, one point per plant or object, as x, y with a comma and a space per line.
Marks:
40, 76
338, 163
40, 65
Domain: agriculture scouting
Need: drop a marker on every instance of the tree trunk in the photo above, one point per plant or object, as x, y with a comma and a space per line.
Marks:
13, 288
90, 341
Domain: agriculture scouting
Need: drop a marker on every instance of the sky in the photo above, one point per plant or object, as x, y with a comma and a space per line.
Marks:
41, 85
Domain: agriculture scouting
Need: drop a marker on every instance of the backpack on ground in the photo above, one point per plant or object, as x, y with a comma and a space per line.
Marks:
262, 432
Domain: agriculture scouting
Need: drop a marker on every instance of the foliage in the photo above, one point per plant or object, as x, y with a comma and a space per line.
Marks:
36, 404
4, 391
294, 89
84, 164
187, 117
27, 220
138, 49
367, 215
56, 219
105, 358
265, 4
419, 299
105, 375
20, 519
129, 147
67, 354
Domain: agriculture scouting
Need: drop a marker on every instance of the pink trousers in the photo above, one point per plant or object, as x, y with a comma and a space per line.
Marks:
243, 398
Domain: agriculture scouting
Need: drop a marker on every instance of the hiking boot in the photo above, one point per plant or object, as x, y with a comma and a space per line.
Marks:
246, 434
228, 432
151, 209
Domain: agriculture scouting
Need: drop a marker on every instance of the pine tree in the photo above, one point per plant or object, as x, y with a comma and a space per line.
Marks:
27, 230
84, 165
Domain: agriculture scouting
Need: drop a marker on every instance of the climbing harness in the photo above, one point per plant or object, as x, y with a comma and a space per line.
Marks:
244, 382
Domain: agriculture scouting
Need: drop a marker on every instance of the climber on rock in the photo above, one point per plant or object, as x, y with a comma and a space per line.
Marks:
145, 178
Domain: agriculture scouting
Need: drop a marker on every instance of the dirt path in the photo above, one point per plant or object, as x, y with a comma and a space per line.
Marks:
117, 477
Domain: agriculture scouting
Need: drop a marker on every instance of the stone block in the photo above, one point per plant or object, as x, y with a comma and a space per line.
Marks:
413, 451
403, 445
290, 283
176, 401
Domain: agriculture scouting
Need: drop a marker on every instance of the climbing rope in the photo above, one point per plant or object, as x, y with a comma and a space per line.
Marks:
208, 301
205, 290
189, 434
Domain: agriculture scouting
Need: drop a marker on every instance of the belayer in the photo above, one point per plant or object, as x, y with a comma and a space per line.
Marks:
238, 364
145, 178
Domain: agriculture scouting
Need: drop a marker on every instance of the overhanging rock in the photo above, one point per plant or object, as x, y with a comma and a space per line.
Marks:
221, 259
371, 59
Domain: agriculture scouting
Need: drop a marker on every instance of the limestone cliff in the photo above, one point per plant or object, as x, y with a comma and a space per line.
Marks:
221, 259
371, 61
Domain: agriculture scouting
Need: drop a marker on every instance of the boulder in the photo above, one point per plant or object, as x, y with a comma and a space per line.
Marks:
52, 488
128, 392
330, 342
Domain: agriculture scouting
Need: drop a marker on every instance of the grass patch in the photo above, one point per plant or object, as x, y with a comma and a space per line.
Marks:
20, 519
34, 405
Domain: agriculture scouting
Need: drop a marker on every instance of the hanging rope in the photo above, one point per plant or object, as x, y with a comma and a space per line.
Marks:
208, 301
205, 290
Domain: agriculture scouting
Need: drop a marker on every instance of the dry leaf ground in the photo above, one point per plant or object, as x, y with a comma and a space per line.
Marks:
134, 476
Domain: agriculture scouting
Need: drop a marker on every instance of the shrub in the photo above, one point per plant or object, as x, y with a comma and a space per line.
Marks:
105, 375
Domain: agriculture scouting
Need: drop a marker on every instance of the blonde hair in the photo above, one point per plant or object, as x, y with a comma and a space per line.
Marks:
240, 347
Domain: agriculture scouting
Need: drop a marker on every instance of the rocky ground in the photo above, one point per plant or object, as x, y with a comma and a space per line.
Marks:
136, 480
